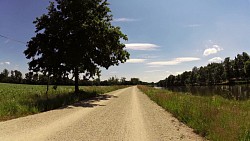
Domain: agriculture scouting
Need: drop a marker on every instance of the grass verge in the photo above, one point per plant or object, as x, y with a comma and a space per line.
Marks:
17, 100
214, 117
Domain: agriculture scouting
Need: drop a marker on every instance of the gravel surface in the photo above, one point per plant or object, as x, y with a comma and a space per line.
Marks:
125, 114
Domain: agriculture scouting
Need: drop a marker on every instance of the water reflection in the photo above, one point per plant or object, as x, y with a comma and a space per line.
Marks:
237, 92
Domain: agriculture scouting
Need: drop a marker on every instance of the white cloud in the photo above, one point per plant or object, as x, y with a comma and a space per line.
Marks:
218, 47
141, 46
164, 63
210, 51
213, 50
113, 72
175, 61
136, 60
123, 20
215, 60
186, 59
4, 63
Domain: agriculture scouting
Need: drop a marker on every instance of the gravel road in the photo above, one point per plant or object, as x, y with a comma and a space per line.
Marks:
125, 114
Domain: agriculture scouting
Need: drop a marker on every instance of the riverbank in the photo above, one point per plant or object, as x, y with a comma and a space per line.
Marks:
213, 117
233, 92
17, 100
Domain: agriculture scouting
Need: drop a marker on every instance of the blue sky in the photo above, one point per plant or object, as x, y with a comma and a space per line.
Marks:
165, 36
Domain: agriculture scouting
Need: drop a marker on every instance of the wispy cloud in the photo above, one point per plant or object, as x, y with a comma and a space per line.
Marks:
124, 20
175, 61
136, 60
141, 46
152, 71
4, 63
147, 56
215, 60
154, 66
213, 50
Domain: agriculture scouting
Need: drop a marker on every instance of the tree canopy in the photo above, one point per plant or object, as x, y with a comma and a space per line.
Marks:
227, 72
247, 68
75, 36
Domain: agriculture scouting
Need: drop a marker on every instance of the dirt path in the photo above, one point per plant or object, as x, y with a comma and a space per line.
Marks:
125, 114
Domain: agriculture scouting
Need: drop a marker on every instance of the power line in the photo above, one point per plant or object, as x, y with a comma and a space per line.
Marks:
12, 39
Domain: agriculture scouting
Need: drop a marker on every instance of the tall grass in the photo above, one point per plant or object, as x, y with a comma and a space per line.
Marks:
18, 100
214, 117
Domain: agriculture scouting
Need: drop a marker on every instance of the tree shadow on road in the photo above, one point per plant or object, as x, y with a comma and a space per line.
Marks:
42, 103
91, 101
68, 100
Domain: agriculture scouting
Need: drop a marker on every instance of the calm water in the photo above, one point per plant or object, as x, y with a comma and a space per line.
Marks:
237, 92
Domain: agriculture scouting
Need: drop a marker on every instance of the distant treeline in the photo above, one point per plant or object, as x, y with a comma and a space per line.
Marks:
15, 76
229, 71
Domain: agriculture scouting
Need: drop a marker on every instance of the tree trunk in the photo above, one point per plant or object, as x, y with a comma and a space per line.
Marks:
47, 95
76, 80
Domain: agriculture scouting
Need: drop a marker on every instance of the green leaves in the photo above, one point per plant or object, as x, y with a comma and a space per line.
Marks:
77, 34
247, 68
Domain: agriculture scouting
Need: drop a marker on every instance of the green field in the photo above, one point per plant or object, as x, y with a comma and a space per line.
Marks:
214, 117
18, 100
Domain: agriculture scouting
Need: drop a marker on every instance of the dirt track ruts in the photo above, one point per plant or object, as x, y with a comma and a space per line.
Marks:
125, 114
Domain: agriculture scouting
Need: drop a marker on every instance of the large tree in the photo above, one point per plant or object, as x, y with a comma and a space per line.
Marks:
75, 36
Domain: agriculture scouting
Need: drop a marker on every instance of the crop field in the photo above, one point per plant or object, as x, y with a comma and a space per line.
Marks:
18, 100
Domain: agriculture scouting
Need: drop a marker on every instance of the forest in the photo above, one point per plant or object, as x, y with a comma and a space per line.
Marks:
228, 72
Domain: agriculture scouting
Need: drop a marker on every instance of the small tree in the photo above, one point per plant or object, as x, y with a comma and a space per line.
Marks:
4, 76
5, 73
135, 81
76, 36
